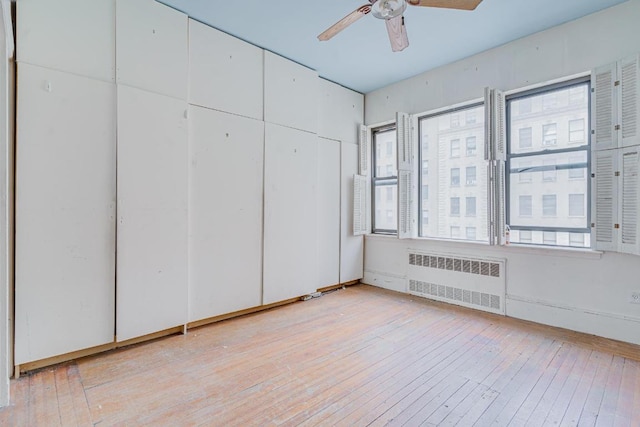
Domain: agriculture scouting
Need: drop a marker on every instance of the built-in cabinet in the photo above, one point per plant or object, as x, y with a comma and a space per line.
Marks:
152, 213
65, 213
169, 173
226, 155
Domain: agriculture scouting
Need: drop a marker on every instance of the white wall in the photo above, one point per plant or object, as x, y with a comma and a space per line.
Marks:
583, 291
6, 197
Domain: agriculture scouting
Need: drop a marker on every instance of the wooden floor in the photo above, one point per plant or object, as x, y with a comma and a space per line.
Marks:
354, 357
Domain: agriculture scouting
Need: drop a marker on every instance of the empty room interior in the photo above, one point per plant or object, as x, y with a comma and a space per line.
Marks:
402, 212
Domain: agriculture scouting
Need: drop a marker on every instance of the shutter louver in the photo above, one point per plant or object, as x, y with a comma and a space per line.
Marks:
500, 203
488, 120
629, 109
405, 222
605, 199
360, 225
403, 138
500, 129
630, 188
363, 151
604, 105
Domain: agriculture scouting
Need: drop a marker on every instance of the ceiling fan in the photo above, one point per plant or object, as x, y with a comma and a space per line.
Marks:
391, 11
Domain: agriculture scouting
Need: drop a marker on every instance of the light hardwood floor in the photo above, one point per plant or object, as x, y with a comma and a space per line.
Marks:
354, 357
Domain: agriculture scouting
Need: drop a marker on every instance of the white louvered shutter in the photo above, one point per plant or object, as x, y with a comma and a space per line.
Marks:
489, 114
605, 200
629, 118
405, 204
363, 151
604, 106
500, 202
360, 222
500, 126
630, 201
404, 141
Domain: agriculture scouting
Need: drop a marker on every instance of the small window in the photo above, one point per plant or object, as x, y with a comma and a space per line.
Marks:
577, 166
526, 206
455, 120
471, 175
455, 177
455, 206
550, 134
525, 138
524, 106
576, 205
549, 237
525, 236
576, 239
455, 148
389, 194
576, 131
470, 117
549, 170
471, 146
550, 101
524, 172
455, 232
471, 233
470, 203
549, 207
425, 192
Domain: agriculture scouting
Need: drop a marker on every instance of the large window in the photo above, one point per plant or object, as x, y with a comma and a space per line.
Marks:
456, 204
385, 180
547, 165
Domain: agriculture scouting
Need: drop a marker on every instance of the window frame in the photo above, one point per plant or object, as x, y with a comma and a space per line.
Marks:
381, 181
548, 149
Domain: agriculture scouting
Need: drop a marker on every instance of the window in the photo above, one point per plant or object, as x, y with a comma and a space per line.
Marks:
425, 192
471, 146
455, 206
455, 177
470, 204
549, 205
547, 190
576, 131
471, 175
384, 182
549, 134
471, 233
576, 205
455, 148
549, 237
526, 138
455, 159
455, 120
524, 105
470, 117
526, 206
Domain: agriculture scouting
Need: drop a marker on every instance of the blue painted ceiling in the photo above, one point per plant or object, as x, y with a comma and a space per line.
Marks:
360, 57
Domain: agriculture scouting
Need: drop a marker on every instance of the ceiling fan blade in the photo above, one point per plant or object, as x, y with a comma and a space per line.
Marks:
345, 22
447, 4
397, 33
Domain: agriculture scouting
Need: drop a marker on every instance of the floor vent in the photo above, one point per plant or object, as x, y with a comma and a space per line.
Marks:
470, 282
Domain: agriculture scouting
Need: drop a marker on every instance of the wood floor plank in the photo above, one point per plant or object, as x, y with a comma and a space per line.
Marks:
360, 356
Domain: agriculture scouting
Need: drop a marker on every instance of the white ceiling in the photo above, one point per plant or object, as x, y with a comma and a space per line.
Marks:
360, 57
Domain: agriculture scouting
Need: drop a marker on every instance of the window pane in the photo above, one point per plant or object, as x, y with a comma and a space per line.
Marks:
548, 116
559, 174
457, 174
471, 233
525, 206
577, 205
549, 205
385, 196
471, 175
470, 203
455, 206
455, 177
385, 149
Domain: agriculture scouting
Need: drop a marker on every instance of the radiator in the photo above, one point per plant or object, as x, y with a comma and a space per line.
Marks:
469, 282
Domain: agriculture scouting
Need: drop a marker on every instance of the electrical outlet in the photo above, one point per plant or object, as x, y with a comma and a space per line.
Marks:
634, 298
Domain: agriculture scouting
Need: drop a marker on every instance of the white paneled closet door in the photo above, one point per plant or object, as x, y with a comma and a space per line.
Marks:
152, 213
328, 212
65, 208
225, 212
290, 214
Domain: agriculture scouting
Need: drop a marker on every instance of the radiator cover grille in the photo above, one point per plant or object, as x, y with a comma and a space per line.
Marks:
470, 282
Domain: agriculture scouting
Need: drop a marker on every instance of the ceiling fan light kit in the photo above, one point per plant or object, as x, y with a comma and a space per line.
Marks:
392, 13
